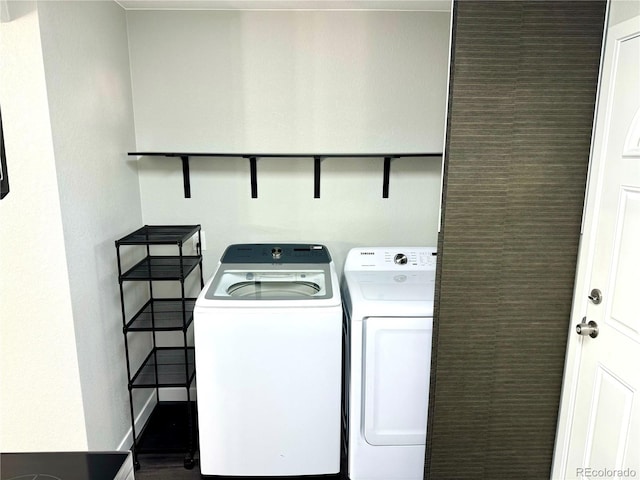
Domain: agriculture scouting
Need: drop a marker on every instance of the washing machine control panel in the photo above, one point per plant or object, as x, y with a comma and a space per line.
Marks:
391, 258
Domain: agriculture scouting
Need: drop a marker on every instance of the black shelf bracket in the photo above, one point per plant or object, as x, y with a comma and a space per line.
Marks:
385, 177
317, 161
253, 168
186, 177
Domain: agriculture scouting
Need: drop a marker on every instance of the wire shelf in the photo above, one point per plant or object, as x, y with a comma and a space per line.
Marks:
160, 235
165, 367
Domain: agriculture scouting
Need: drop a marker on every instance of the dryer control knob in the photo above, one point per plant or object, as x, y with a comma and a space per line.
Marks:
400, 259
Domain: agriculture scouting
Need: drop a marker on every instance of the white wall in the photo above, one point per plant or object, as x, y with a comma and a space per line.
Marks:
41, 403
86, 63
312, 81
621, 10
67, 110
350, 211
294, 81
287, 82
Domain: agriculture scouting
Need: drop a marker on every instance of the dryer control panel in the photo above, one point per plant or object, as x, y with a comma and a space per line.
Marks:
391, 258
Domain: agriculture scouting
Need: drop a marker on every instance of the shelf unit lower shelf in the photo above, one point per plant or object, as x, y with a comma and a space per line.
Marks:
166, 367
162, 268
163, 314
167, 429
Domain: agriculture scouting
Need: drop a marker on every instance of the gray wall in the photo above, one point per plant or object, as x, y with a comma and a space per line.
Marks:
522, 100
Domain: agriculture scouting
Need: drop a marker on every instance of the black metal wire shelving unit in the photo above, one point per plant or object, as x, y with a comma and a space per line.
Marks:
172, 426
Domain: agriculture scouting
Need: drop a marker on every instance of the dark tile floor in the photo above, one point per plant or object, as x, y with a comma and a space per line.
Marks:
171, 467
165, 467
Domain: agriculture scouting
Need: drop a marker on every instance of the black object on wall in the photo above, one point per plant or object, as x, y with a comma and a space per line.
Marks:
4, 175
521, 105
253, 162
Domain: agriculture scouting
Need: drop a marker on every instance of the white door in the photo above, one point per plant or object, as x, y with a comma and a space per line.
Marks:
599, 424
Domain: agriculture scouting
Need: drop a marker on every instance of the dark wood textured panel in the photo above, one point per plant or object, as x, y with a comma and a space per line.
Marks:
522, 97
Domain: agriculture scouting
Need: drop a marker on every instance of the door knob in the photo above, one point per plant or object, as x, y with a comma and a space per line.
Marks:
585, 328
595, 296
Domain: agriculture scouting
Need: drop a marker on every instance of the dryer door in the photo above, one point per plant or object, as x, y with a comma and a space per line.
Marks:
397, 359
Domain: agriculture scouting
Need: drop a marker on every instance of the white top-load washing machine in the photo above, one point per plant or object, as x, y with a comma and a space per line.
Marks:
388, 300
268, 348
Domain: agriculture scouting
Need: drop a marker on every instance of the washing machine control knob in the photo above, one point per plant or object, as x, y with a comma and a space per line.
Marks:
400, 259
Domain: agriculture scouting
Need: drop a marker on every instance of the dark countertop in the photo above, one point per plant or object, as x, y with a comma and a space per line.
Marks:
61, 465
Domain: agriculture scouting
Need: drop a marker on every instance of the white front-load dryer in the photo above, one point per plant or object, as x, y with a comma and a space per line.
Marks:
388, 301
268, 349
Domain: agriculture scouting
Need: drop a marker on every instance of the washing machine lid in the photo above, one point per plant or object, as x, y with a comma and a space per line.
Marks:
253, 282
276, 253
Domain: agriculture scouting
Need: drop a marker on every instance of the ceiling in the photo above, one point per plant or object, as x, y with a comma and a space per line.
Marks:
406, 5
